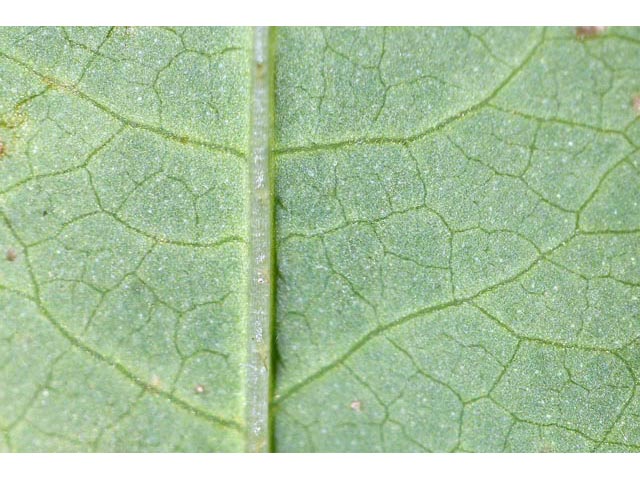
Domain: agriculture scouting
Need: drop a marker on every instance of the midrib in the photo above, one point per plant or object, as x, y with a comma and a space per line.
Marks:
261, 248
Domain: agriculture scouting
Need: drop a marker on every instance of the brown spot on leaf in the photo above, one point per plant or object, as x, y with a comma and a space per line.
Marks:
589, 32
635, 103
11, 254
155, 383
199, 389
3, 149
356, 406
50, 82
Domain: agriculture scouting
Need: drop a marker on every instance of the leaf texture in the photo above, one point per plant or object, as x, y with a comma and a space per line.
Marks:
456, 232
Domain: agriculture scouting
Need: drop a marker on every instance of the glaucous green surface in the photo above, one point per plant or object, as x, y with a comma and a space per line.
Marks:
123, 194
458, 235
457, 232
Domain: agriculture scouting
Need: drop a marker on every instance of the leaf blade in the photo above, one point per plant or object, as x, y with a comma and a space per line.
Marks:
454, 280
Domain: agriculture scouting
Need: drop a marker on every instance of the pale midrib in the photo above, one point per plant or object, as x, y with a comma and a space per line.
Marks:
260, 250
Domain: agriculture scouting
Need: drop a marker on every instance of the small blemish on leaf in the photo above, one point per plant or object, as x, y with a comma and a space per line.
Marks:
45, 213
635, 103
3, 149
155, 383
262, 278
48, 81
11, 255
199, 389
356, 406
260, 69
589, 32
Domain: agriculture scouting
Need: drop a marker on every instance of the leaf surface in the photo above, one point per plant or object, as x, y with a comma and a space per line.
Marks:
456, 233
124, 196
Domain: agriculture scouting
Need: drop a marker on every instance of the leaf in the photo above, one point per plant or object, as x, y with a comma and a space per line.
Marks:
124, 195
456, 231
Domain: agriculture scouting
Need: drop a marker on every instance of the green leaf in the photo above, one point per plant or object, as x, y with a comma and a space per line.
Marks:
124, 196
454, 215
